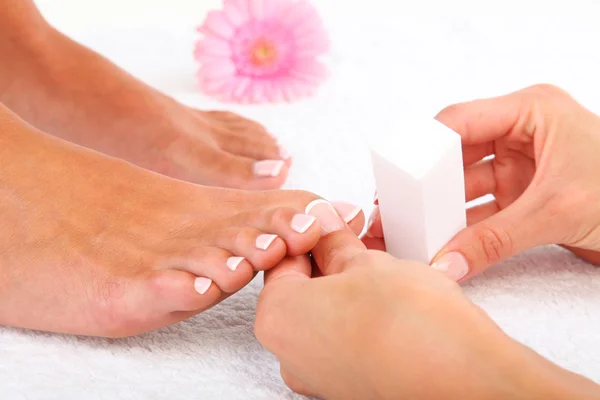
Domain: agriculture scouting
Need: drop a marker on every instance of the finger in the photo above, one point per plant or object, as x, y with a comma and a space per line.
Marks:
483, 121
478, 213
373, 243
477, 152
289, 269
479, 180
338, 242
508, 232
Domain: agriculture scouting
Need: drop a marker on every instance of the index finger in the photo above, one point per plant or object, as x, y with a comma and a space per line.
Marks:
338, 243
485, 120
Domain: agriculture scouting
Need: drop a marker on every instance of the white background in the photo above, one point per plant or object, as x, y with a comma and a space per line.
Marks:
389, 57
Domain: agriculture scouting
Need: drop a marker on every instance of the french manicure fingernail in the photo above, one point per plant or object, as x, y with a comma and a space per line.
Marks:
268, 168
301, 222
454, 265
326, 215
233, 262
202, 285
345, 210
264, 241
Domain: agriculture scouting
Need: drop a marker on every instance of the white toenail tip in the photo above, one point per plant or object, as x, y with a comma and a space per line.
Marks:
264, 241
234, 262
202, 285
277, 168
314, 203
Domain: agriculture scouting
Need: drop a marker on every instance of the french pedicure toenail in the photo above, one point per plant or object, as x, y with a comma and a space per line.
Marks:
202, 285
454, 265
301, 222
264, 241
327, 215
233, 262
346, 211
268, 168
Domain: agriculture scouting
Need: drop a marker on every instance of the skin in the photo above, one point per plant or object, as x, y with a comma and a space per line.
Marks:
71, 92
94, 245
544, 177
375, 327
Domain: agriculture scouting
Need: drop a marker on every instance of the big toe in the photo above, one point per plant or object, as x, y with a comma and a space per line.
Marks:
238, 172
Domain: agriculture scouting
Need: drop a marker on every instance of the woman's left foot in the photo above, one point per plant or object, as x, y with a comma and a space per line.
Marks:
71, 92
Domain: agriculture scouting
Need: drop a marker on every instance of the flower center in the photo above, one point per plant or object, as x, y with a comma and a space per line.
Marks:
263, 52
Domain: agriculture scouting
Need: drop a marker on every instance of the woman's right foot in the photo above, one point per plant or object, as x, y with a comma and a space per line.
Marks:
96, 246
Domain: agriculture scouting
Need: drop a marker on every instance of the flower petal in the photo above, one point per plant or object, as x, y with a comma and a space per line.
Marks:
240, 5
237, 15
210, 47
218, 69
216, 23
256, 9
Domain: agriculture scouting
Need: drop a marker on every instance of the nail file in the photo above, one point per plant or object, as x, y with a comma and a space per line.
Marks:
420, 184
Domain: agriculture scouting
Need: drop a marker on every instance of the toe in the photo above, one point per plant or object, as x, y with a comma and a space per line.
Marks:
241, 136
299, 231
245, 173
228, 271
175, 290
351, 214
262, 250
248, 145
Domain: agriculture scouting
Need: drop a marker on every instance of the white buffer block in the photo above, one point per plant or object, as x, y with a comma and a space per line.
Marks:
420, 184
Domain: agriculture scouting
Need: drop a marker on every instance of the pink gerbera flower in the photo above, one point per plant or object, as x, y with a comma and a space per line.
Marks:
257, 51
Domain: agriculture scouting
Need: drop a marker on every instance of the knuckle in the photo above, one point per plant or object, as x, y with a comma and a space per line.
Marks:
494, 244
545, 89
280, 215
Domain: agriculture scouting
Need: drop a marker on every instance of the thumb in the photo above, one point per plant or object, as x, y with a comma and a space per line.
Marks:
338, 244
504, 234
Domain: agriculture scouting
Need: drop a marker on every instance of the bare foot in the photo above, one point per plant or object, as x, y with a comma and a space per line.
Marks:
71, 92
94, 245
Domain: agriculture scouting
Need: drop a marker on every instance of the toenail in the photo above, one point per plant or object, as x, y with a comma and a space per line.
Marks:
268, 168
283, 153
301, 222
346, 210
202, 285
233, 262
264, 241
327, 215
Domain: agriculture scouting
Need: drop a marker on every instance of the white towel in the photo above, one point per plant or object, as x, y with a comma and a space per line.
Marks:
545, 298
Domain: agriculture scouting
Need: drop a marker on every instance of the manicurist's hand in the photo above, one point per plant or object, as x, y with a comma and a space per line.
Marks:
545, 177
375, 327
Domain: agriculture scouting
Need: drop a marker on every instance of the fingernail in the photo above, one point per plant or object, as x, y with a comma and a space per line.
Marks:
233, 262
327, 215
372, 217
301, 222
376, 199
268, 168
264, 241
345, 210
454, 265
202, 284
283, 153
